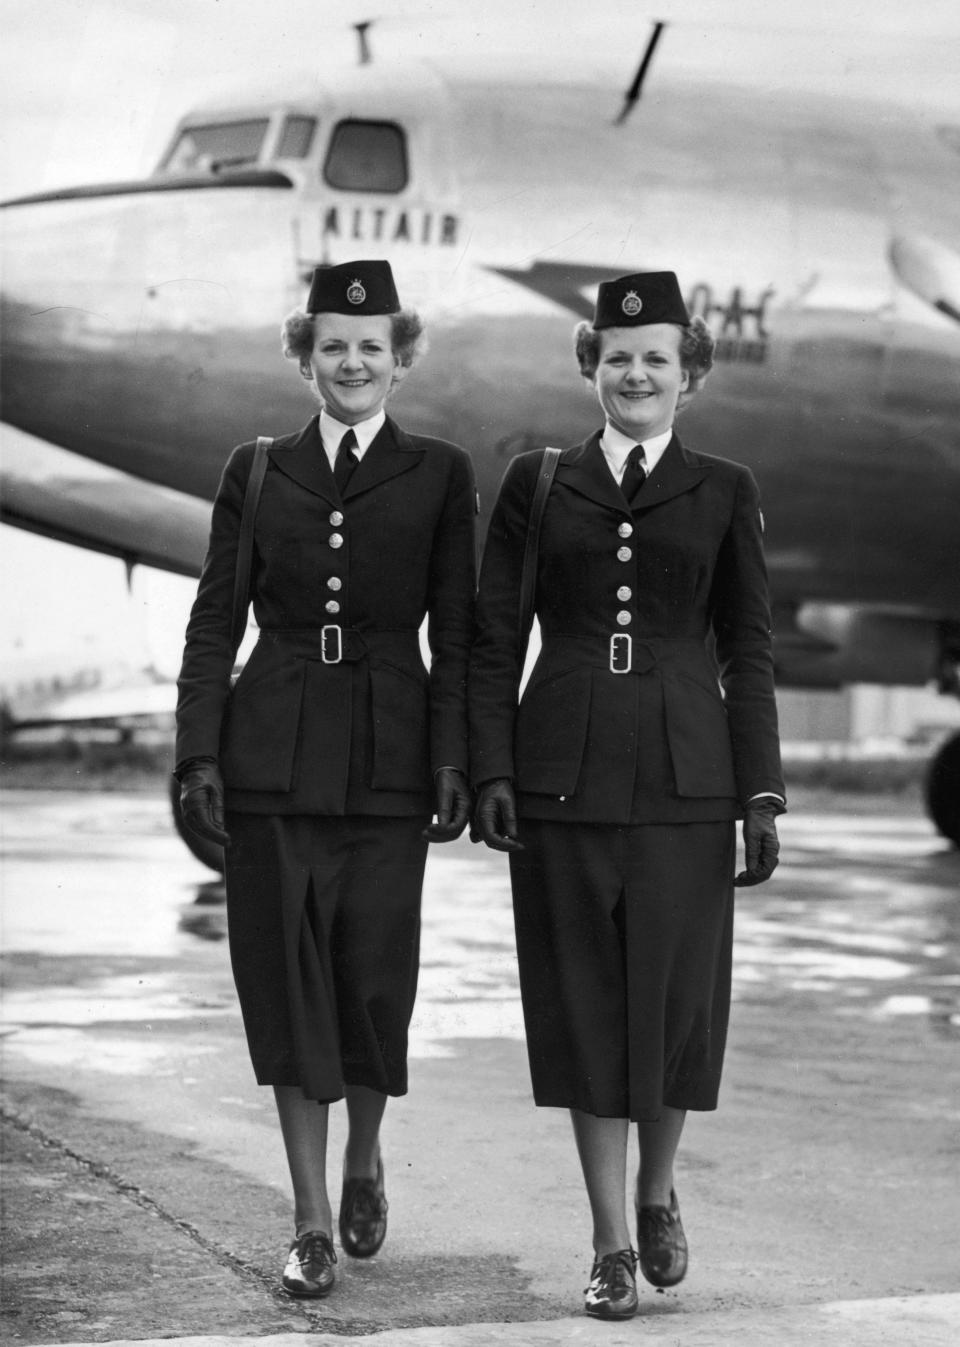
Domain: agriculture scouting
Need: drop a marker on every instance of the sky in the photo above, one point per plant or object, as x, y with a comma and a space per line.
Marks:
90, 90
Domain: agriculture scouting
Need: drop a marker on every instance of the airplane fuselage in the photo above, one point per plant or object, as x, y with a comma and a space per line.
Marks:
141, 322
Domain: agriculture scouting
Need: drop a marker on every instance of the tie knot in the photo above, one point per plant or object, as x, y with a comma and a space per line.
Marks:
348, 443
636, 460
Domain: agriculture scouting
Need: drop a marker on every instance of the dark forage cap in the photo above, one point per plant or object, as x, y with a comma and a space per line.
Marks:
641, 299
354, 287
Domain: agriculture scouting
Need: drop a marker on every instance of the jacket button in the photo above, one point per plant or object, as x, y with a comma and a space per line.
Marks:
336, 519
624, 530
336, 583
624, 618
332, 606
623, 553
624, 593
335, 540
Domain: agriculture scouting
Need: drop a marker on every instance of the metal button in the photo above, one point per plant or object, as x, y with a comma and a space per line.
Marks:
332, 606
624, 593
336, 540
624, 530
623, 553
336, 519
336, 583
624, 618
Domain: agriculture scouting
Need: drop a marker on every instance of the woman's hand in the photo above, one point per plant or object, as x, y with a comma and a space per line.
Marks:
453, 806
760, 841
201, 799
495, 817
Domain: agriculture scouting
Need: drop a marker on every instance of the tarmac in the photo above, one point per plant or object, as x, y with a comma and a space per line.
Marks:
145, 1198
117, 1252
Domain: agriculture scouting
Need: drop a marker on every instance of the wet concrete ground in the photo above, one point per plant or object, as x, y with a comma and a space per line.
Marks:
146, 1192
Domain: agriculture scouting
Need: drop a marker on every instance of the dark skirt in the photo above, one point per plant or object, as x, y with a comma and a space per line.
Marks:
324, 929
624, 940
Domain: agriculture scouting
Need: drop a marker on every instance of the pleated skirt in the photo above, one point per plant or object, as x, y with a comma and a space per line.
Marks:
324, 933
624, 941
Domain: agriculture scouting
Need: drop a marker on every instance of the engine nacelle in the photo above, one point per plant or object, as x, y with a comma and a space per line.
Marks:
825, 645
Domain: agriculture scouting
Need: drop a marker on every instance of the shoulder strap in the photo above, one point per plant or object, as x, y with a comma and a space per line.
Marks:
251, 499
528, 575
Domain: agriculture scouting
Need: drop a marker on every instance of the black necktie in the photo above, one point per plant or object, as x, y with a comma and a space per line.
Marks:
634, 474
346, 461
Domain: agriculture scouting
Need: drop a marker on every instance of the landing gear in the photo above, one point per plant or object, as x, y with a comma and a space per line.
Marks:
207, 852
942, 790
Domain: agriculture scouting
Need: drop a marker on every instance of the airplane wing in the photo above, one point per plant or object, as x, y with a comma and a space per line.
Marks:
119, 707
50, 491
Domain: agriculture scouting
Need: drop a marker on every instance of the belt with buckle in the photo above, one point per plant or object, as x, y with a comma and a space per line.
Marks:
333, 644
621, 652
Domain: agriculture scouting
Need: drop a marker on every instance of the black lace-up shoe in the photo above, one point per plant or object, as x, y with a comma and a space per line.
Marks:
612, 1293
309, 1269
363, 1215
662, 1243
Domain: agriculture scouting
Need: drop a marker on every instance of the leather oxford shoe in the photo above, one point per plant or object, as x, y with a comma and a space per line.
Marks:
612, 1293
662, 1243
309, 1269
363, 1215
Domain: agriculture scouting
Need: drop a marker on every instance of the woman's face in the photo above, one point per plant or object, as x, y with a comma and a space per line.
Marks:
639, 378
352, 364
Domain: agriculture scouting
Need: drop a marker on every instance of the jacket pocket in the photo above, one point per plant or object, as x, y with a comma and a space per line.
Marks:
258, 745
699, 737
399, 701
551, 733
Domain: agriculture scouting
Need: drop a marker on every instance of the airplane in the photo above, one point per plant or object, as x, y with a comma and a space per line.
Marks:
819, 236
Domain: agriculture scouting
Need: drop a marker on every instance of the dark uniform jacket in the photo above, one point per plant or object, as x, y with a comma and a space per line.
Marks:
652, 699
334, 713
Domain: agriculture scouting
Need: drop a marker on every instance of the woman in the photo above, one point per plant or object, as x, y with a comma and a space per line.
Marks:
326, 759
626, 767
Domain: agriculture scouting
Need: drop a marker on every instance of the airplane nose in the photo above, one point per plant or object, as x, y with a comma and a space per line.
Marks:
52, 308
141, 326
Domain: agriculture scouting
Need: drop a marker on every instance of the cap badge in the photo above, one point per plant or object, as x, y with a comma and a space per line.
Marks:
631, 304
356, 293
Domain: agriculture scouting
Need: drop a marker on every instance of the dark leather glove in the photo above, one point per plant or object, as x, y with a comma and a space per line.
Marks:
495, 817
201, 799
453, 806
760, 842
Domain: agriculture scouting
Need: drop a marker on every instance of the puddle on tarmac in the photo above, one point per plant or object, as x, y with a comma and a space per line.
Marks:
864, 912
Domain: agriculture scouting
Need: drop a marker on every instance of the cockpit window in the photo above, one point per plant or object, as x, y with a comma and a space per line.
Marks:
205, 149
367, 157
296, 137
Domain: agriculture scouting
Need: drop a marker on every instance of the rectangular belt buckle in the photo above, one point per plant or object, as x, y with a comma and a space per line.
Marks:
621, 652
325, 632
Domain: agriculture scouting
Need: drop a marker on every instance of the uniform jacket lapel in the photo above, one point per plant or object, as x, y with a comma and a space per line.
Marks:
301, 458
584, 469
391, 452
678, 471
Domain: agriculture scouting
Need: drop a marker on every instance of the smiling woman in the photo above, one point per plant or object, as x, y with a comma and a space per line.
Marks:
615, 780
335, 744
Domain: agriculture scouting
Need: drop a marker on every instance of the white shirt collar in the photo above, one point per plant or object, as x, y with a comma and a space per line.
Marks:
332, 432
616, 447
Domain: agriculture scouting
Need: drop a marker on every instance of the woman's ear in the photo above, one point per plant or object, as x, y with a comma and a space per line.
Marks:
306, 371
399, 371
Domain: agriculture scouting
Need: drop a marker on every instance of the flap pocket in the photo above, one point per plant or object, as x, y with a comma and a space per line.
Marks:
261, 729
699, 736
401, 730
551, 732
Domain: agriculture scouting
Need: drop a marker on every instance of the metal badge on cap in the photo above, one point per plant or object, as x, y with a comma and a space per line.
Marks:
632, 304
356, 293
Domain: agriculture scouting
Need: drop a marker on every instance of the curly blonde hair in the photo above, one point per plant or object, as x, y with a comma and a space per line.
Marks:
407, 336
696, 351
